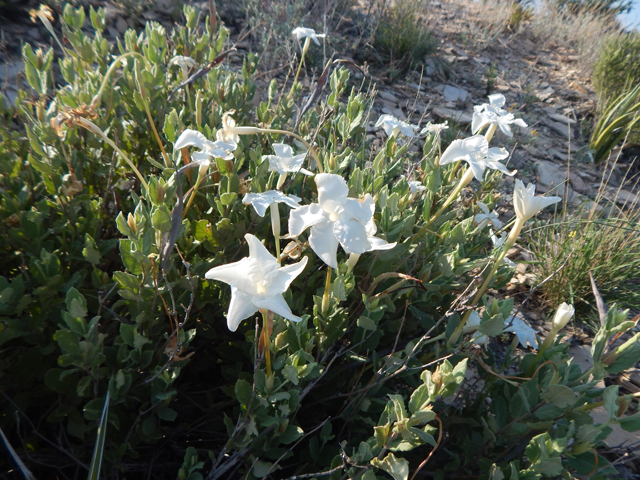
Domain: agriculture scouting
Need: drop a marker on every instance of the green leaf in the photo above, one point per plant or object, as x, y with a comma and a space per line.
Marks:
228, 198
127, 281
367, 323
560, 396
398, 468
40, 166
96, 459
168, 414
630, 423
244, 391
610, 397
161, 218
90, 251
291, 434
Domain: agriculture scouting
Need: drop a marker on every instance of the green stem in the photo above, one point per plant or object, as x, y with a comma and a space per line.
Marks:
490, 132
511, 239
92, 127
304, 52
464, 181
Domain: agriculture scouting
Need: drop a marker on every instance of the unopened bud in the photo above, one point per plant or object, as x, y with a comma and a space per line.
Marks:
132, 223
160, 197
562, 316
40, 111
40, 59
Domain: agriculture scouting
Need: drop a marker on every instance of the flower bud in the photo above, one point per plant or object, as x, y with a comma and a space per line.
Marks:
562, 316
132, 223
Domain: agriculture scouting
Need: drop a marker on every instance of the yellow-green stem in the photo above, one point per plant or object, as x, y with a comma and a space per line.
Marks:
591, 406
193, 194
511, 239
267, 342
275, 227
327, 293
92, 127
490, 132
145, 100
281, 179
304, 52
464, 181
551, 337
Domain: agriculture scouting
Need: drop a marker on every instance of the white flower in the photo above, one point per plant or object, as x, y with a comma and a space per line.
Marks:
415, 187
526, 203
392, 126
229, 131
473, 322
257, 283
562, 316
193, 138
526, 335
497, 243
492, 114
434, 128
337, 219
476, 152
302, 32
262, 201
483, 219
185, 64
284, 161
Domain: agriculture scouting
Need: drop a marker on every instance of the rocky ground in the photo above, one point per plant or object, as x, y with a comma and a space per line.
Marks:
543, 84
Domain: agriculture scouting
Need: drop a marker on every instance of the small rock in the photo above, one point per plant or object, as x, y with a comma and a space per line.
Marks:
457, 115
558, 154
624, 196
562, 118
483, 60
121, 25
544, 94
577, 183
550, 176
388, 96
414, 86
454, 94
560, 128
521, 268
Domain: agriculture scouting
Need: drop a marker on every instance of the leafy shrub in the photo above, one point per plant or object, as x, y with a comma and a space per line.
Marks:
104, 302
401, 37
618, 66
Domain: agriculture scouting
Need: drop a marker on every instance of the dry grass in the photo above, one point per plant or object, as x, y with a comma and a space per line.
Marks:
586, 31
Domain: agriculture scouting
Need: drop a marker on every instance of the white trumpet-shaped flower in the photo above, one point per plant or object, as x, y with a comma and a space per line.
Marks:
193, 138
415, 188
229, 133
257, 282
526, 335
526, 203
262, 201
476, 152
284, 161
392, 126
483, 219
302, 32
185, 64
472, 325
435, 128
337, 220
492, 113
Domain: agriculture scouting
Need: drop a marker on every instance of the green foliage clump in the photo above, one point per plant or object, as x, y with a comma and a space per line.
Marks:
110, 330
401, 37
618, 66
600, 7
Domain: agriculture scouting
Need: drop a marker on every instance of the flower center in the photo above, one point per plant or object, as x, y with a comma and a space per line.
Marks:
334, 217
260, 290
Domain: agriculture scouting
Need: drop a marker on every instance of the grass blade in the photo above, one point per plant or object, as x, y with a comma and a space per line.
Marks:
23, 468
96, 459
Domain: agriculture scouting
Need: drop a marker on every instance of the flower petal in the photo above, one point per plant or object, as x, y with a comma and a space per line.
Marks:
285, 275
282, 150
380, 244
240, 307
259, 201
304, 217
324, 242
277, 304
331, 189
479, 120
259, 252
526, 335
497, 100
352, 235
192, 138
361, 210
455, 151
231, 273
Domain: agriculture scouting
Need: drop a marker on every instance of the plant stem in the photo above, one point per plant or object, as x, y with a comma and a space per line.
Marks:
95, 102
92, 127
511, 239
327, 293
490, 132
193, 193
307, 42
275, 227
267, 345
464, 181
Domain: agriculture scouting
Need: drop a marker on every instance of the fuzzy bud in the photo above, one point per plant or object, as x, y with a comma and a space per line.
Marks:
132, 223
562, 316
